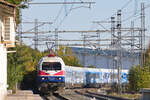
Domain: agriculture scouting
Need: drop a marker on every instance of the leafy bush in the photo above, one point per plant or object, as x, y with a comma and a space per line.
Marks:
22, 63
139, 77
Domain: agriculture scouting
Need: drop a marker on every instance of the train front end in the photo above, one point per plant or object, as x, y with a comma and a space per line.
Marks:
51, 74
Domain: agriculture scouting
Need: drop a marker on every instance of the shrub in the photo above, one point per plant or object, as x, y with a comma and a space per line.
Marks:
139, 77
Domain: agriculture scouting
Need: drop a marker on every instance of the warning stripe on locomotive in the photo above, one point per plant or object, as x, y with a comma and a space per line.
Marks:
60, 73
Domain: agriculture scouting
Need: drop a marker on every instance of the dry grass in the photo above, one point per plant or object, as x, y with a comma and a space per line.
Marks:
126, 95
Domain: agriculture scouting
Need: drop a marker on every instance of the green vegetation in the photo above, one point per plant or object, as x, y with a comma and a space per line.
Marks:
21, 63
139, 76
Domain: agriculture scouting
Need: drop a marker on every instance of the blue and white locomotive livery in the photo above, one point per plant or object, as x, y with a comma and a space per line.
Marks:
54, 74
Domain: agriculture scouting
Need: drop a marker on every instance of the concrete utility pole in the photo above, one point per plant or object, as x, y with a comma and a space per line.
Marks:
112, 47
132, 43
142, 35
119, 53
56, 39
36, 34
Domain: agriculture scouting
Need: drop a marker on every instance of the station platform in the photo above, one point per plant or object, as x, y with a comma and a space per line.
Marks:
23, 95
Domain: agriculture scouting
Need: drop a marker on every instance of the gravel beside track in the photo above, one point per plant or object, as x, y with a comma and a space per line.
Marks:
72, 95
99, 96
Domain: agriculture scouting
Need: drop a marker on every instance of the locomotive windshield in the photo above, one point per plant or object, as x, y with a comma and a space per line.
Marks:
51, 66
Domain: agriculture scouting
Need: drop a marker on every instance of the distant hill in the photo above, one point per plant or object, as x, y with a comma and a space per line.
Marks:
105, 52
105, 58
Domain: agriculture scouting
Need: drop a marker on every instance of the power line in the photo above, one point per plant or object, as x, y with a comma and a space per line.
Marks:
47, 3
81, 31
124, 6
59, 12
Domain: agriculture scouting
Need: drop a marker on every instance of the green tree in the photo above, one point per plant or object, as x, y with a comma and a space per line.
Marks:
139, 77
21, 64
15, 68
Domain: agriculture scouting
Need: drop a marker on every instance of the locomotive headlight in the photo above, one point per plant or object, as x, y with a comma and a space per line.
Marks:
43, 78
58, 78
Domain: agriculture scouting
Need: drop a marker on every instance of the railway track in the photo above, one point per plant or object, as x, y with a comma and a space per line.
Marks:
107, 96
81, 94
91, 96
100, 96
60, 97
54, 96
68, 94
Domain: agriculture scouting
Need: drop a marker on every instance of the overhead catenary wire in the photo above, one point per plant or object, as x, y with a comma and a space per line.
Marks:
65, 16
46, 3
71, 8
123, 7
64, 3
59, 12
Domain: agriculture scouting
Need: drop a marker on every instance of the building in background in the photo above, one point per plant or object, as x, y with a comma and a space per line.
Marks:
7, 39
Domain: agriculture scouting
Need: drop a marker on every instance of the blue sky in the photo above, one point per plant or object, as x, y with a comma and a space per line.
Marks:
81, 18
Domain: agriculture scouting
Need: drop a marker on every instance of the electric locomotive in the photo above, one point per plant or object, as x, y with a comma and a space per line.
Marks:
51, 73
